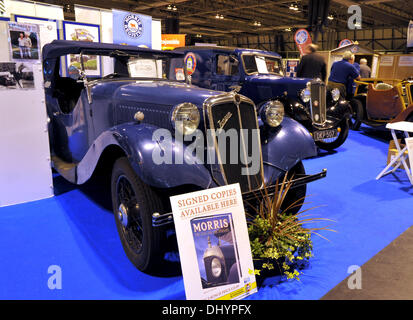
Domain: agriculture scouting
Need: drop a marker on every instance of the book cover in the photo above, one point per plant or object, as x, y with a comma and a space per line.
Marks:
213, 243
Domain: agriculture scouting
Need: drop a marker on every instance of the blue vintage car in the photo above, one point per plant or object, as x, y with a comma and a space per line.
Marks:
119, 120
258, 75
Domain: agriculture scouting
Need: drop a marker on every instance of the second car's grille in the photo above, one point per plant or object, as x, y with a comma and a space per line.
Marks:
318, 102
236, 117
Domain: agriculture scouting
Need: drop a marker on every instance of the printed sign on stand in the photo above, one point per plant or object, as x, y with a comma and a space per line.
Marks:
213, 244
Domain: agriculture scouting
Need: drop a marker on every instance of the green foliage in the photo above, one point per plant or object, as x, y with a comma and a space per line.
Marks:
280, 239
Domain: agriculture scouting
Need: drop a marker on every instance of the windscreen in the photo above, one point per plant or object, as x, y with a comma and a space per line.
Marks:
260, 64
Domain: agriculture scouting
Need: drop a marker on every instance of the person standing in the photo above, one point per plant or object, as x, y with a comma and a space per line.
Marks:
21, 40
28, 45
342, 73
365, 71
312, 64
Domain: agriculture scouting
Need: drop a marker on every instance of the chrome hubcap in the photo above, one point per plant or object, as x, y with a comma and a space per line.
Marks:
123, 215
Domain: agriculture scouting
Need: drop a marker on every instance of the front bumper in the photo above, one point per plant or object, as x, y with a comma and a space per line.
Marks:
159, 220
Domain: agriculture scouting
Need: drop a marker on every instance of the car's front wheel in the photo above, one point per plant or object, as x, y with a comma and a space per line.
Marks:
134, 202
333, 143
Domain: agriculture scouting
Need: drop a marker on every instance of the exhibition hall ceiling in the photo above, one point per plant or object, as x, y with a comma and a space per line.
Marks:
226, 18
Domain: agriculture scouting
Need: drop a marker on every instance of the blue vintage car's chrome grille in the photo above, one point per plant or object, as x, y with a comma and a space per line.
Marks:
242, 116
318, 102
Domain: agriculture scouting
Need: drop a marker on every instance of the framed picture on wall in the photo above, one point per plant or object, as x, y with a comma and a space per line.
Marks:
76, 31
24, 41
48, 28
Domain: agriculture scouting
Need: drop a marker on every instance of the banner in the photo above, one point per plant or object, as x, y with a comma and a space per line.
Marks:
410, 34
132, 28
172, 41
213, 242
302, 38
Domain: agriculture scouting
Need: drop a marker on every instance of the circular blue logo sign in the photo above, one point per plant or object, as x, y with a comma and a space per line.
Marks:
301, 36
133, 26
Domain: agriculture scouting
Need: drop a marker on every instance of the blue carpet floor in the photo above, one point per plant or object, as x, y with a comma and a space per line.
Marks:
76, 231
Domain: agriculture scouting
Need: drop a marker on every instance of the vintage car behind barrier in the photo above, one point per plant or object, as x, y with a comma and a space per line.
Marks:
379, 101
111, 123
259, 75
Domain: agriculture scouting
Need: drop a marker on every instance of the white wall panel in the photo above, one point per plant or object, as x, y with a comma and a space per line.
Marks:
25, 173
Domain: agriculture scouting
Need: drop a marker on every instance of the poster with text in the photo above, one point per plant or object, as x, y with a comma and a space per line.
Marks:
132, 28
76, 31
48, 29
24, 41
213, 243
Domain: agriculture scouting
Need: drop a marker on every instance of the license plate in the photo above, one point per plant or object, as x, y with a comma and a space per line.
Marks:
324, 134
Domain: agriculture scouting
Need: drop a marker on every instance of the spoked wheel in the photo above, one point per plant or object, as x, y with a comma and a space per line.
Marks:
295, 196
357, 115
333, 143
134, 202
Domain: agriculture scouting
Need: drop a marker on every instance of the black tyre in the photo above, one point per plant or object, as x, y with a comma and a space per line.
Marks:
134, 202
358, 114
333, 143
294, 198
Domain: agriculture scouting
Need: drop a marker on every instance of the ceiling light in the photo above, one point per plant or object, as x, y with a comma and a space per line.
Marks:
294, 7
174, 8
330, 17
169, 7
287, 29
221, 16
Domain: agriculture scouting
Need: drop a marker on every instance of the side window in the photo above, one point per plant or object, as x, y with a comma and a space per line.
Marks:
227, 65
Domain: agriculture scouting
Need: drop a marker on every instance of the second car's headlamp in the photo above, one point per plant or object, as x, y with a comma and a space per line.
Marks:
335, 94
273, 113
305, 94
185, 118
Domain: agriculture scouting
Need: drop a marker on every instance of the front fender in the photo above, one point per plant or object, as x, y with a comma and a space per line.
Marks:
285, 146
339, 111
137, 142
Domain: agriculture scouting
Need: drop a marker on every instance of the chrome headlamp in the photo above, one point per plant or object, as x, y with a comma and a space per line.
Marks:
185, 118
216, 267
305, 94
272, 113
335, 94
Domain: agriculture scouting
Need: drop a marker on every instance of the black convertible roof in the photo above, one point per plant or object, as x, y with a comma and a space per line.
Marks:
59, 48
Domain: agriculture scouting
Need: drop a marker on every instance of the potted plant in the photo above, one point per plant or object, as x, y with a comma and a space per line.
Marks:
280, 241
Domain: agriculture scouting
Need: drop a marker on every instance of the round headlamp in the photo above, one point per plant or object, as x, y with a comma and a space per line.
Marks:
185, 118
273, 113
216, 267
335, 94
305, 94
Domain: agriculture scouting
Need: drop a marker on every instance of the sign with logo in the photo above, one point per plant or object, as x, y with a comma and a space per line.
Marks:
172, 41
386, 61
213, 243
132, 28
302, 38
405, 61
345, 42
410, 34
190, 63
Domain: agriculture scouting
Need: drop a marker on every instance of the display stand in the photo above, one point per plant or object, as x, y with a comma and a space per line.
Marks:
25, 172
401, 157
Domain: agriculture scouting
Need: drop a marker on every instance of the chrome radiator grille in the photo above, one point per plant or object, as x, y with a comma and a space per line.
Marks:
234, 116
318, 102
